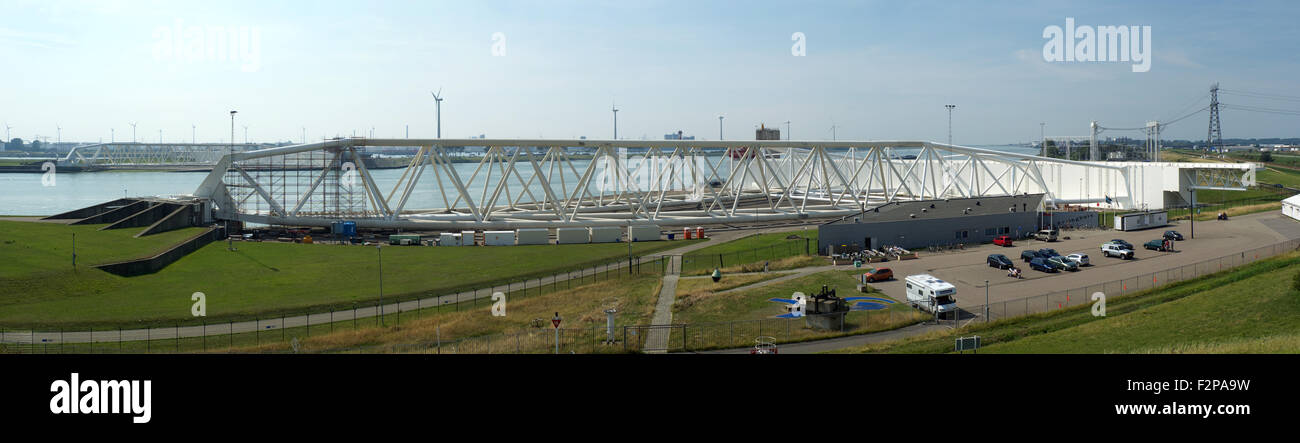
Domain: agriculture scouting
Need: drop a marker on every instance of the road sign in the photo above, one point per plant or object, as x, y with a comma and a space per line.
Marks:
968, 343
556, 320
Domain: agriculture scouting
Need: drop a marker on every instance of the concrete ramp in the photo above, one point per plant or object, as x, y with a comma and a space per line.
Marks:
145, 217
114, 215
91, 211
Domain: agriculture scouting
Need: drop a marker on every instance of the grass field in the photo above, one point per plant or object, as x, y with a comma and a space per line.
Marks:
1249, 309
706, 311
260, 278
751, 249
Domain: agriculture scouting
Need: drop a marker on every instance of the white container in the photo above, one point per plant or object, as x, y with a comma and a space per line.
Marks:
533, 236
449, 239
467, 238
643, 232
498, 238
564, 236
606, 234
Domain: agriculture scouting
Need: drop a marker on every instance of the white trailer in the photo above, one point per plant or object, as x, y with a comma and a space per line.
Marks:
565, 236
449, 239
931, 294
467, 238
498, 238
533, 236
1141, 220
605, 234
643, 233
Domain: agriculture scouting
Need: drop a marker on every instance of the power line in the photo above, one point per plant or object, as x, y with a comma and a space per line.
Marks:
1261, 109
1263, 95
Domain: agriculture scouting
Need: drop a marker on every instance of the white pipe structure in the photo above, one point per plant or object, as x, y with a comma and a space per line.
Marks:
148, 155
559, 183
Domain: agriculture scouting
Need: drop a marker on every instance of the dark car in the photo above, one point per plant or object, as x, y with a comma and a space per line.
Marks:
1000, 261
1029, 254
1155, 245
1041, 264
1174, 235
1120, 241
1048, 253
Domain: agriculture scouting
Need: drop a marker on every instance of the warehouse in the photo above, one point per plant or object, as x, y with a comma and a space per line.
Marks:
933, 222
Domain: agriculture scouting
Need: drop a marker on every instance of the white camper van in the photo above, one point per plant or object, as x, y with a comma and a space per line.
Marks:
928, 293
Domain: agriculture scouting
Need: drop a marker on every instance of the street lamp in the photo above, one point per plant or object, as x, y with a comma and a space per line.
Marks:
950, 107
719, 127
986, 301
133, 132
379, 248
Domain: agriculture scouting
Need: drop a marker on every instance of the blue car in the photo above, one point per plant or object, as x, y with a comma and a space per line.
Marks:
1041, 264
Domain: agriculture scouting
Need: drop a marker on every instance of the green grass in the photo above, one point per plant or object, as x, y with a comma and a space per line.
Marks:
1214, 312
751, 249
259, 279
1286, 177
707, 312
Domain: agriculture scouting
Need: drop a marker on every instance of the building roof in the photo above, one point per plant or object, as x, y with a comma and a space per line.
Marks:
946, 208
1293, 200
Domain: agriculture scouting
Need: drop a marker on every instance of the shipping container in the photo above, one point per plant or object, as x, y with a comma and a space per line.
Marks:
572, 235
397, 239
1141, 220
606, 234
467, 238
643, 232
498, 238
533, 236
449, 239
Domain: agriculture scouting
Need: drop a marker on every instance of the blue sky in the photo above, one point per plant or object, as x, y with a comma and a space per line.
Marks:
875, 70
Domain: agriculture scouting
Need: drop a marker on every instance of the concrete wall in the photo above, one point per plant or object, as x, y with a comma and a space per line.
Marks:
154, 264
925, 232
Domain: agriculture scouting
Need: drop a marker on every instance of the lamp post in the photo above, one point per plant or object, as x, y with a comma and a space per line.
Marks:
719, 127
379, 247
133, 132
986, 301
950, 107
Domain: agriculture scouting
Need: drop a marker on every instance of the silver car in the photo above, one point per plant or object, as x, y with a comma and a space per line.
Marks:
1080, 259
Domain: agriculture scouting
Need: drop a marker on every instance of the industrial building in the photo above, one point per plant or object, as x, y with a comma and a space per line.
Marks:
933, 222
1291, 207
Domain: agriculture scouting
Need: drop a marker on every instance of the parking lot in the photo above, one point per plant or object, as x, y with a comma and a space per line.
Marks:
967, 270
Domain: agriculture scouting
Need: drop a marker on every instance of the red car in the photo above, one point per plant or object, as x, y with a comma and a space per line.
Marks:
1002, 240
878, 274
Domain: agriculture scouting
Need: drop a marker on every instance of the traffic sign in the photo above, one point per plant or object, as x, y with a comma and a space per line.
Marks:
556, 320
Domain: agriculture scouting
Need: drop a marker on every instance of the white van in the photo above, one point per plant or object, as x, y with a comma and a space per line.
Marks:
928, 293
1048, 235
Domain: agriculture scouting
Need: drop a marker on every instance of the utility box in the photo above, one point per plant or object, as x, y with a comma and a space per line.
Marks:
606, 234
467, 238
498, 238
565, 236
643, 233
449, 239
533, 236
1141, 220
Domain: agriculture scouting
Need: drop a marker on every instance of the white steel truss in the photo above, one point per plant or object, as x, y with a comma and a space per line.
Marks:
150, 155
558, 183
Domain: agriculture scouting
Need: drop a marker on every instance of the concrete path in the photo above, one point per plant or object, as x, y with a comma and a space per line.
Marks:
656, 341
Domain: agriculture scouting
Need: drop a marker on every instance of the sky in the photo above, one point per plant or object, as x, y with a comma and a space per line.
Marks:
553, 69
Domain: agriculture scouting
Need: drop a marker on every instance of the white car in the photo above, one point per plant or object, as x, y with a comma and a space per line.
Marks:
1116, 250
1080, 259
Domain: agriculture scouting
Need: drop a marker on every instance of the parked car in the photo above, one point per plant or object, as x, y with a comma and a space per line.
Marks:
1048, 253
1029, 254
1041, 264
1121, 242
1155, 245
1003, 240
1063, 263
1174, 235
878, 274
1116, 250
1048, 235
1078, 258
1000, 261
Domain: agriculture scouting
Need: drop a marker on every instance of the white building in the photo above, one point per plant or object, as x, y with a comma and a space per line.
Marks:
1291, 207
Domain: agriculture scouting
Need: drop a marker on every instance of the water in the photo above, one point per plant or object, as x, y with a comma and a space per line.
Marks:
25, 194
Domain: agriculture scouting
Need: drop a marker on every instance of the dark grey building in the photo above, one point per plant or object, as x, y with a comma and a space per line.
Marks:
924, 223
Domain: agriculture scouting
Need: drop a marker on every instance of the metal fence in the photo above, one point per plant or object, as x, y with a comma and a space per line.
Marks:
1118, 288
707, 262
283, 329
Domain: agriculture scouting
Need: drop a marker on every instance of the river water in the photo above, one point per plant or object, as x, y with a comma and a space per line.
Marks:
39, 194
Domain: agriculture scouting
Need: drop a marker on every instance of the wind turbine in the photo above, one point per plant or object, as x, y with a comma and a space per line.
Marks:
437, 100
